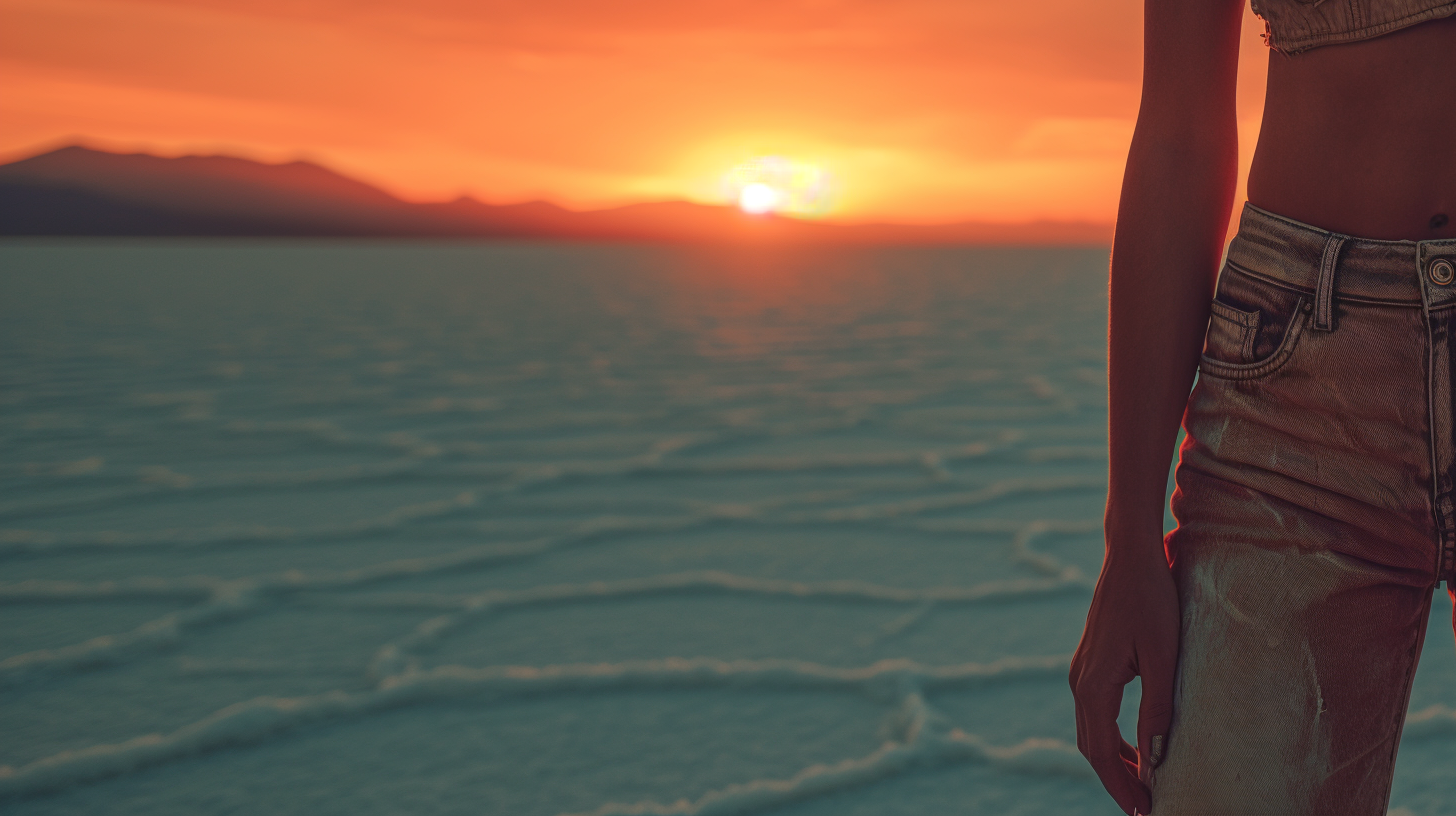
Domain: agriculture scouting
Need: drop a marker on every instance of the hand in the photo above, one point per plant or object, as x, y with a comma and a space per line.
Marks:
1132, 630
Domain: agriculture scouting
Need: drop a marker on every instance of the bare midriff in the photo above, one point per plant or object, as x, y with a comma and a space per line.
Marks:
1360, 138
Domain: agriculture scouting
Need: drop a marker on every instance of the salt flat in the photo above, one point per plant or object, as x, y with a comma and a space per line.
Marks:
313, 527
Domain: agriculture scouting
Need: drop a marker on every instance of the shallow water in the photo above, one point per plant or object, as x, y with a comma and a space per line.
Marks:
315, 527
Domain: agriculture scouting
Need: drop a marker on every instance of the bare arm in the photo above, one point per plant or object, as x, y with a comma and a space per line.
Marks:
1176, 196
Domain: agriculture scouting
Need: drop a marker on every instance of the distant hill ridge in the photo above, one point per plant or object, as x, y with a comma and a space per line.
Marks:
80, 191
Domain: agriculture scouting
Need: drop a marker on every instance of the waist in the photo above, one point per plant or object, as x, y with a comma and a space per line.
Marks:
1383, 193
1356, 138
1402, 272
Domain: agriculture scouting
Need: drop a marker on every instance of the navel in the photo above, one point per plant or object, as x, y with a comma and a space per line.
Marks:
1439, 220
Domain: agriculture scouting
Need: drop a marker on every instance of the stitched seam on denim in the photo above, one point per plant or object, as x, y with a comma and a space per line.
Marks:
1370, 301
1290, 221
1431, 437
1229, 313
1324, 295
1410, 671
1231, 371
1259, 276
1247, 324
1290, 287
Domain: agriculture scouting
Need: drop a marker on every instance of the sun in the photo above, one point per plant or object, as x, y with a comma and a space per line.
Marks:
758, 198
773, 184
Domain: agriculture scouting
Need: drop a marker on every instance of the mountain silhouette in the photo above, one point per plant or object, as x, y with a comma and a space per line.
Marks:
80, 191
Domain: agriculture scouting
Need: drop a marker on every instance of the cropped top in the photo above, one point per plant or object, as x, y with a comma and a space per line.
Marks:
1291, 26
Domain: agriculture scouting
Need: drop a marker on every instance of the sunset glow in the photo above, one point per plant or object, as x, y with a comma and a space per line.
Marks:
779, 185
923, 111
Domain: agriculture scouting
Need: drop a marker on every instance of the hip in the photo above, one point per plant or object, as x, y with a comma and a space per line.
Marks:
1326, 383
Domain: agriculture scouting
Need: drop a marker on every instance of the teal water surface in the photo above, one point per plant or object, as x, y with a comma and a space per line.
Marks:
315, 527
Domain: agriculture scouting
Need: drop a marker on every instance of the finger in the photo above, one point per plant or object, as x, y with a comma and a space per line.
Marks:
1097, 706
1134, 796
1128, 753
1098, 738
1155, 713
1123, 785
1129, 757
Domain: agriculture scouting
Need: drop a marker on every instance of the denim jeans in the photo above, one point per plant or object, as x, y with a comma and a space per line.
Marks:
1315, 518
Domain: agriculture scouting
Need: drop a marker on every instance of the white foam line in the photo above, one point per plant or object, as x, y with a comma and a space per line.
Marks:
239, 723
765, 464
18, 541
201, 586
1437, 720
851, 590
656, 448
234, 598
605, 526
1067, 453
228, 600
890, 759
25, 541
237, 597
848, 590
654, 461
330, 433
1432, 721
679, 672
393, 657
958, 525
42, 590
1024, 533
108, 649
899, 624
761, 508
992, 492
516, 476
28, 541
165, 484
259, 718
650, 461
543, 419
251, 667
392, 601
924, 742
1041, 562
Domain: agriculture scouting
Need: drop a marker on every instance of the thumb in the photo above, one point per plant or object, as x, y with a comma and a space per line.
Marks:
1155, 715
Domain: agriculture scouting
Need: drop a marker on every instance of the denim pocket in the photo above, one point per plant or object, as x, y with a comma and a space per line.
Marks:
1230, 334
1254, 327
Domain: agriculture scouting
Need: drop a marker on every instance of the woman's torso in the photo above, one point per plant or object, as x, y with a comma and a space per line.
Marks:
1360, 138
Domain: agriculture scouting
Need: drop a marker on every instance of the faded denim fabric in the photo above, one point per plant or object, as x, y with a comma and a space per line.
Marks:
1292, 26
1315, 518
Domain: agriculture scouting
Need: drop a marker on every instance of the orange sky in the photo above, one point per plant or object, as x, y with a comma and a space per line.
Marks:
924, 110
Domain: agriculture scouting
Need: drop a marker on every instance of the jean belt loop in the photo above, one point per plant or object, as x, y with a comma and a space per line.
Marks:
1324, 292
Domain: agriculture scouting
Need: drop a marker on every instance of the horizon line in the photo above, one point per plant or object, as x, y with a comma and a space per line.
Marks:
8, 157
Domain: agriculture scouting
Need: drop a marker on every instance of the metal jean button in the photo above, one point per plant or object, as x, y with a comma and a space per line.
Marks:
1441, 272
